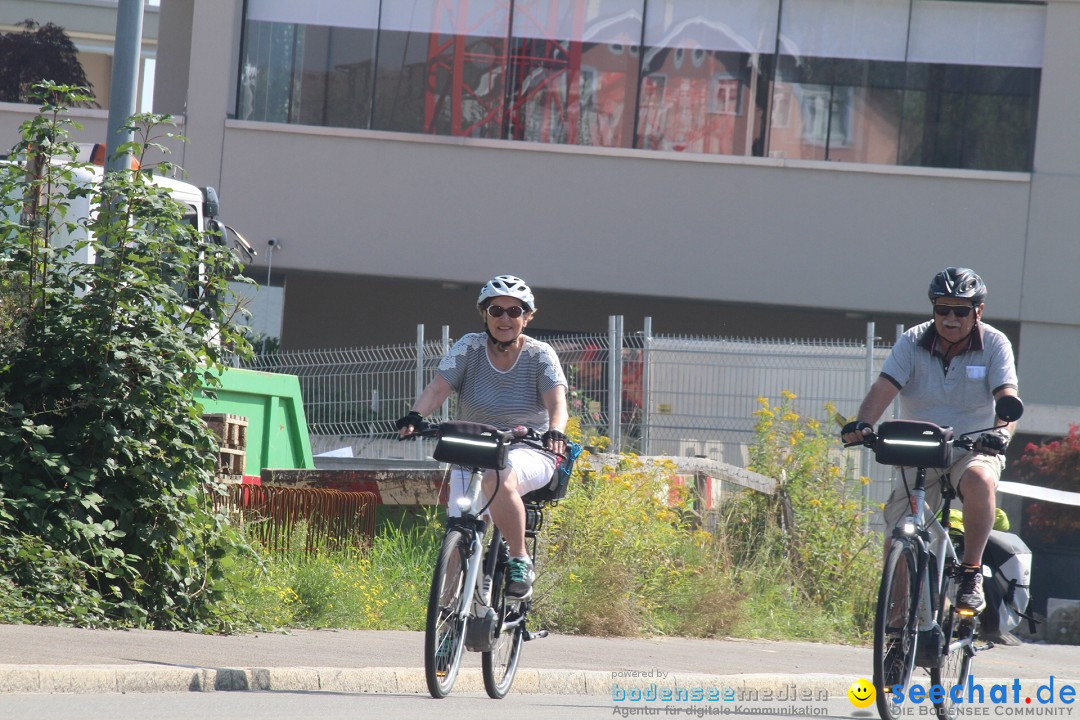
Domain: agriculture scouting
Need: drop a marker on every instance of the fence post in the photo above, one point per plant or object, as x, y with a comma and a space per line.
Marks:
864, 460
615, 382
896, 400
445, 351
646, 368
419, 445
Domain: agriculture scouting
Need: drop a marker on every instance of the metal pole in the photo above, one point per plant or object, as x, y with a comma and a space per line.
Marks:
619, 334
125, 80
445, 352
419, 379
896, 400
266, 293
615, 325
612, 403
646, 372
864, 464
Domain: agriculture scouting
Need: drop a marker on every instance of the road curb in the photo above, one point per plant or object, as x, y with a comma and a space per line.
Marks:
91, 679
128, 678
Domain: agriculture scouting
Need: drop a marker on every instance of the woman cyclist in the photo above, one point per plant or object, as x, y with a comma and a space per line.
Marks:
503, 378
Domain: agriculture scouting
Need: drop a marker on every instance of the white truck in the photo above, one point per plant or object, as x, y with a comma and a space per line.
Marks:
203, 207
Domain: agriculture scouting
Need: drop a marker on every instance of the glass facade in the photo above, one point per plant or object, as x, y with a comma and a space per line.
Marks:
934, 83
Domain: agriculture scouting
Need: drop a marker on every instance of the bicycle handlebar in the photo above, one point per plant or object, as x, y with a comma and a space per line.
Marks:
519, 435
965, 441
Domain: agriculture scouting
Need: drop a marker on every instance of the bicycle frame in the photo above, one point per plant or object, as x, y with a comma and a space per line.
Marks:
914, 598
931, 539
468, 608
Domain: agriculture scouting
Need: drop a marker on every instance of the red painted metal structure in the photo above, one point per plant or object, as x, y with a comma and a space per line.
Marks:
537, 65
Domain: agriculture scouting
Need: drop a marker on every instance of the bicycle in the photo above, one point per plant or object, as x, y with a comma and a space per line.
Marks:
467, 606
916, 622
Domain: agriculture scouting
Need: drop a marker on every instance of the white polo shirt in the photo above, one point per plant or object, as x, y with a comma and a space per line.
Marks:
961, 394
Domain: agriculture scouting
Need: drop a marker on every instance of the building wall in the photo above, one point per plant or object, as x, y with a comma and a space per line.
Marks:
816, 239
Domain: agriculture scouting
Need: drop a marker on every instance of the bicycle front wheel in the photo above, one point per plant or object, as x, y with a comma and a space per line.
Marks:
894, 627
956, 665
444, 636
501, 662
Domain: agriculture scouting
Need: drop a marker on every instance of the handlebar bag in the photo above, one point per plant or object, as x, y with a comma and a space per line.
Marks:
913, 443
472, 445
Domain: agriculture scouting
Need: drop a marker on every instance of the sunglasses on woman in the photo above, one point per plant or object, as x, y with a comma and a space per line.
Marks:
496, 311
960, 311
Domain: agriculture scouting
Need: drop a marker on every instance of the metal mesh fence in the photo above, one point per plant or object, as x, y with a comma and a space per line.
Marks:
358, 391
654, 395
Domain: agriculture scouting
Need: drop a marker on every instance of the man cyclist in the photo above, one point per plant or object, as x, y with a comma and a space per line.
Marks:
949, 371
503, 378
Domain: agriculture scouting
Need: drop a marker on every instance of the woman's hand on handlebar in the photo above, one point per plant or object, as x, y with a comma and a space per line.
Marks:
856, 432
410, 425
555, 441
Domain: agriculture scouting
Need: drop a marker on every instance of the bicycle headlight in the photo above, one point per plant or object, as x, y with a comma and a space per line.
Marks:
908, 528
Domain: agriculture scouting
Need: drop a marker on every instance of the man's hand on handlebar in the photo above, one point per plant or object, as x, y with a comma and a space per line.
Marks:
410, 425
992, 443
855, 432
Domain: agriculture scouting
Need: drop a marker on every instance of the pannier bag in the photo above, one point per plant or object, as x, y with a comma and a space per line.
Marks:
1008, 587
471, 445
560, 479
564, 468
913, 443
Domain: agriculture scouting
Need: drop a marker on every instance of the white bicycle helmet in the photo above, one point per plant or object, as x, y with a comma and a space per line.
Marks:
509, 286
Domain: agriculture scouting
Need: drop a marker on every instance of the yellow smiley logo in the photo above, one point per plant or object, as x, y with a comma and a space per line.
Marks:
861, 693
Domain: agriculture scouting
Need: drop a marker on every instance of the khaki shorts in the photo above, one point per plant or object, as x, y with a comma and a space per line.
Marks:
898, 506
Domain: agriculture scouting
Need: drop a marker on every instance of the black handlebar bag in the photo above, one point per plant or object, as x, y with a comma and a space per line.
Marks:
914, 444
472, 445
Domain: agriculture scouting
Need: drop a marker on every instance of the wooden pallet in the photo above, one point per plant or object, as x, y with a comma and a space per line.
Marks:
231, 432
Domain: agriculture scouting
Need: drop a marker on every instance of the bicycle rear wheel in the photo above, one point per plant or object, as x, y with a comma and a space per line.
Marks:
956, 665
894, 626
444, 636
501, 662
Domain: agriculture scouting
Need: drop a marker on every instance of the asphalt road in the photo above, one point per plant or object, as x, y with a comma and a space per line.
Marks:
48, 672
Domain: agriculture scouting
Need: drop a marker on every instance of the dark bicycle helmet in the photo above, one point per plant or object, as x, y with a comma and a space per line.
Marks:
954, 282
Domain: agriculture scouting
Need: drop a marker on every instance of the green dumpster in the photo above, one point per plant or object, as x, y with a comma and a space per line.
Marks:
277, 433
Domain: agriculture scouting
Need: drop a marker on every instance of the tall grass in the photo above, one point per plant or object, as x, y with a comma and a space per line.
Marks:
623, 554
381, 587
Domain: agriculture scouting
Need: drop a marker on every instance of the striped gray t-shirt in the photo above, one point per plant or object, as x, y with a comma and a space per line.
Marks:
502, 399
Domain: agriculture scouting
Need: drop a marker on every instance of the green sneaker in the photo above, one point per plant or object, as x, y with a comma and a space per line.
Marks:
519, 578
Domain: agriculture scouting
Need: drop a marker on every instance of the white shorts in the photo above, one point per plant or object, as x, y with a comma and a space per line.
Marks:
532, 468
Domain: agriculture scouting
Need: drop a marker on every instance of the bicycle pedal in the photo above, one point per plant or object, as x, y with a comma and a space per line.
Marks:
538, 635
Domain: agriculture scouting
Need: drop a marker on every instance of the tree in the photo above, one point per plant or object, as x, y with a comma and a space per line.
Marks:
38, 53
107, 471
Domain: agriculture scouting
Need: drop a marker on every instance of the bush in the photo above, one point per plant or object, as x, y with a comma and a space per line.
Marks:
814, 531
104, 457
620, 557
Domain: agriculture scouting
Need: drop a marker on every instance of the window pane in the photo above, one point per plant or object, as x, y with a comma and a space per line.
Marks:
836, 109
442, 67
574, 71
266, 76
336, 71
704, 77
967, 116
977, 33
307, 74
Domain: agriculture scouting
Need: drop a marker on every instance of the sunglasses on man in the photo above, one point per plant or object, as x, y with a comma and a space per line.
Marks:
497, 311
960, 311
